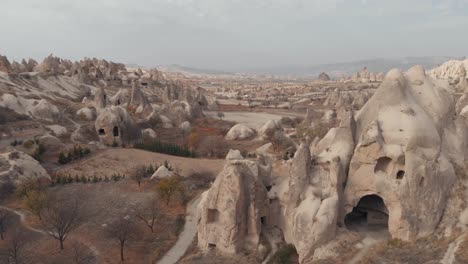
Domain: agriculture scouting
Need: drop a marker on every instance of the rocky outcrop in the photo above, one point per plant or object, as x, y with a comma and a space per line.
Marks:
405, 152
40, 109
234, 211
240, 132
324, 77
17, 166
115, 126
393, 163
4, 64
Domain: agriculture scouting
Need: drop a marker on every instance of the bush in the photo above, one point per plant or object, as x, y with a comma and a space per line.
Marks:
166, 148
285, 255
179, 224
77, 152
304, 131
37, 154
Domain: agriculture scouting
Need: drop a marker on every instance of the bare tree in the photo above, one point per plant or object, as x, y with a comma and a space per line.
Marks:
63, 215
138, 173
148, 213
4, 217
122, 229
14, 251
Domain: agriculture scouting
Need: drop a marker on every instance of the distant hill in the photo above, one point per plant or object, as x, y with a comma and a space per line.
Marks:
312, 71
374, 65
190, 70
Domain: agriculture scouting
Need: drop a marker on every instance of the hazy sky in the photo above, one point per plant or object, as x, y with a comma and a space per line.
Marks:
222, 34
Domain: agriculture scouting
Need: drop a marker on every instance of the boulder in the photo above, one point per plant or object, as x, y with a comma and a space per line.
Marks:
58, 130
185, 127
86, 113
161, 173
17, 166
240, 132
149, 133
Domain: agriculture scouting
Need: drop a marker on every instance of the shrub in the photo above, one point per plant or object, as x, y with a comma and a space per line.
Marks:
304, 131
166, 148
37, 154
75, 153
285, 255
28, 143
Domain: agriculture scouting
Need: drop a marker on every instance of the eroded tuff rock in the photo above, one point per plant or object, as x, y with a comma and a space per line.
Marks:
234, 210
17, 166
394, 159
240, 132
115, 126
406, 146
324, 77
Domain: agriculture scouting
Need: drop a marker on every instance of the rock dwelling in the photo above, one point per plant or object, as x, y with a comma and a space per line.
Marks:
390, 165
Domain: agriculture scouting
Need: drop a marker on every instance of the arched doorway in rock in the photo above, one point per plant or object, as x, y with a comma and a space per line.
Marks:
370, 213
116, 131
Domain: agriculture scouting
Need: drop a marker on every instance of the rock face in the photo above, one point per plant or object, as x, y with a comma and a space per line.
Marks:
161, 173
449, 70
17, 166
4, 64
324, 77
41, 109
406, 144
115, 126
233, 212
391, 164
239, 132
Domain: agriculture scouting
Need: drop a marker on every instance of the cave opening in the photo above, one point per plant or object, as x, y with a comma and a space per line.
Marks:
370, 213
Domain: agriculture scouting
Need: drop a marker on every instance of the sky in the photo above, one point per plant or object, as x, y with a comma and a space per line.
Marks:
233, 34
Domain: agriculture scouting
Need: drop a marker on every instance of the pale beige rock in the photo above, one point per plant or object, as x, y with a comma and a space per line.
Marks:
114, 124
17, 166
240, 132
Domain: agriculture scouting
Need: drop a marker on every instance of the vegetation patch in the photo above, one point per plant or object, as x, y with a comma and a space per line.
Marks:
166, 148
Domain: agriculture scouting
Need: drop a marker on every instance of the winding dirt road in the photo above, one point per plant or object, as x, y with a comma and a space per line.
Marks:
186, 237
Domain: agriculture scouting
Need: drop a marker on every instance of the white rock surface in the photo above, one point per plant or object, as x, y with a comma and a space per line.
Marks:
161, 173
240, 132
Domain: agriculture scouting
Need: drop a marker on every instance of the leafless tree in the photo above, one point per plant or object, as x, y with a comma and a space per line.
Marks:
138, 173
15, 249
148, 213
4, 217
122, 229
63, 215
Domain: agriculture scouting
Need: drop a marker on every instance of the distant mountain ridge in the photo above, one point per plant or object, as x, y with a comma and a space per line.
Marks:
333, 69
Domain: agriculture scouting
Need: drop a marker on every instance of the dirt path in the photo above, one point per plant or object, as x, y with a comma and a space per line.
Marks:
23, 220
449, 256
25, 224
186, 237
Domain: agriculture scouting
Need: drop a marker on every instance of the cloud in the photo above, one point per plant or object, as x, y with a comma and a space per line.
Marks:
231, 33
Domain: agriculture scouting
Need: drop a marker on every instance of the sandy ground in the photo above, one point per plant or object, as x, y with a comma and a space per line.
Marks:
251, 119
119, 160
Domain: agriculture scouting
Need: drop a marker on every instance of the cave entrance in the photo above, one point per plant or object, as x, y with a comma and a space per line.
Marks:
369, 213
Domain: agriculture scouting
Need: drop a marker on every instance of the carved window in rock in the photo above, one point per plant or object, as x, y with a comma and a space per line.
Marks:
101, 131
400, 174
384, 164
